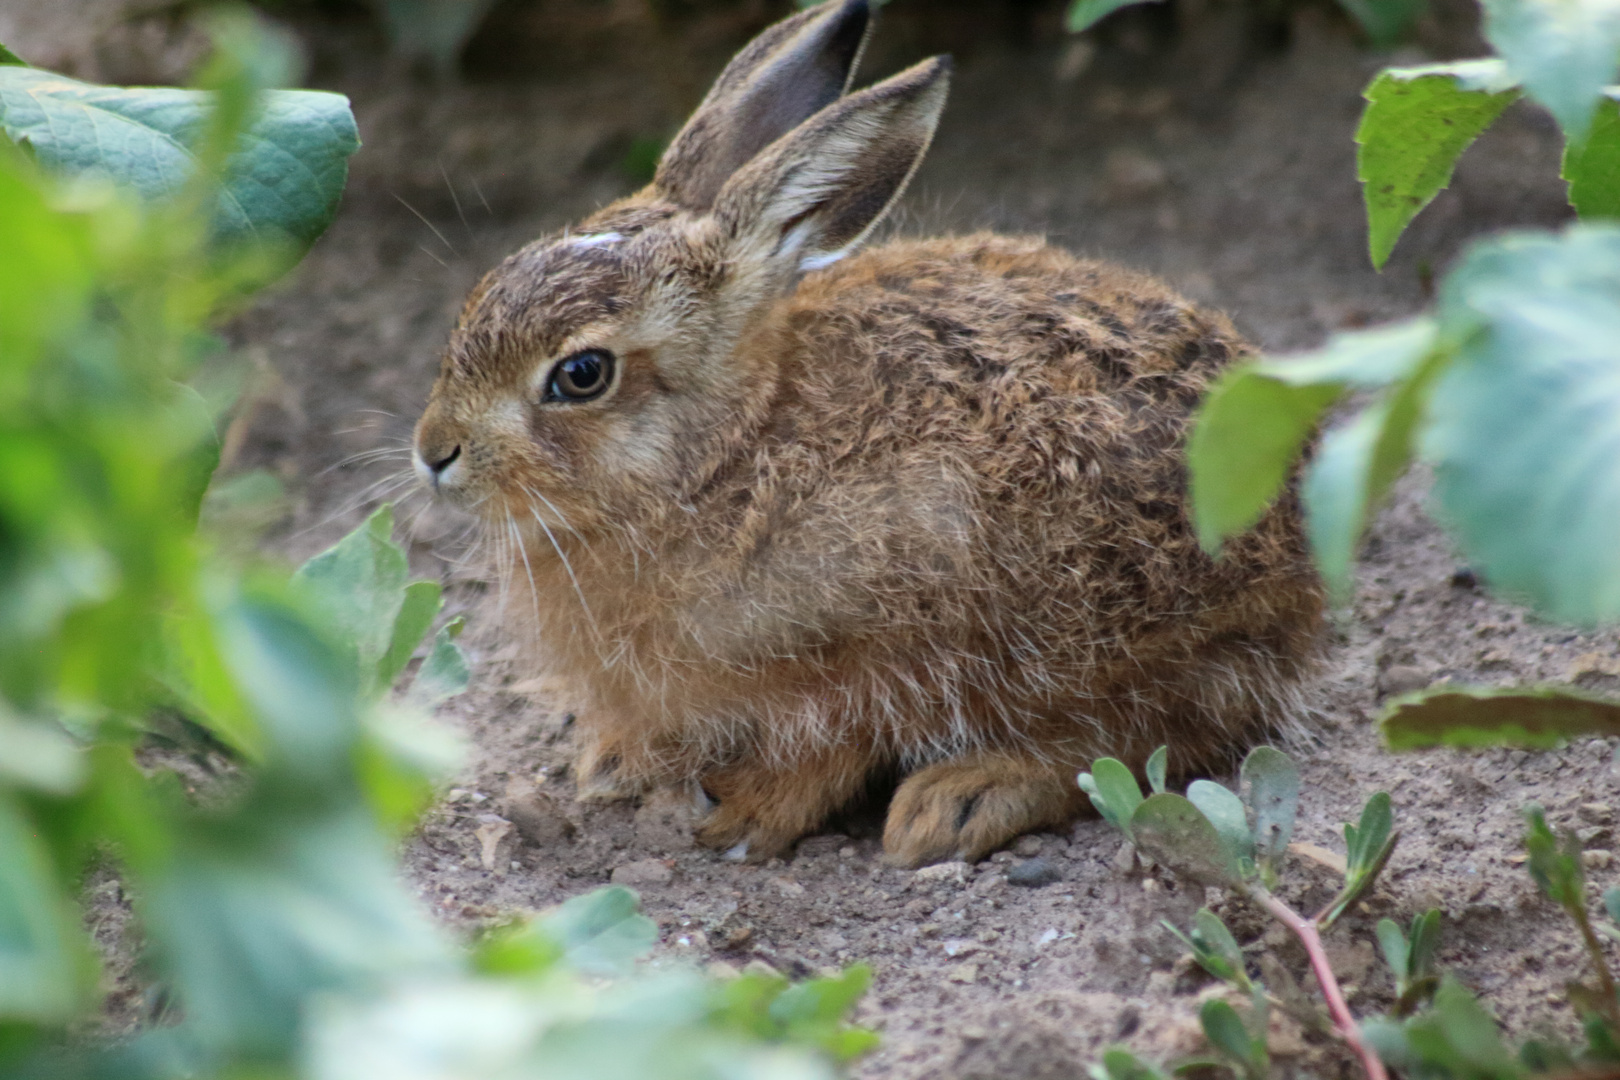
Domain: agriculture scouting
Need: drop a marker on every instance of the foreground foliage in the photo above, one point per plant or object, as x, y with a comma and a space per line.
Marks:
1435, 1027
226, 737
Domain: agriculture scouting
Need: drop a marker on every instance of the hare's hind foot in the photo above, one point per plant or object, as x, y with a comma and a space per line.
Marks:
764, 808
967, 807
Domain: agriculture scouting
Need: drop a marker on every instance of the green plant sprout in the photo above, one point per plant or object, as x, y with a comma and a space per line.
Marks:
1213, 837
1436, 1028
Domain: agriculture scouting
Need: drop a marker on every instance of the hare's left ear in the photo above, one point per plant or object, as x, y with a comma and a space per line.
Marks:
816, 193
782, 78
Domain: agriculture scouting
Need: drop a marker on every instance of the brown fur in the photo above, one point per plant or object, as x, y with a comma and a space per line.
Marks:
921, 510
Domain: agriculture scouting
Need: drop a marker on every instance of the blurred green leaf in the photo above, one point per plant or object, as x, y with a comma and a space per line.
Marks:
1157, 763
1555, 864
1540, 718
601, 932
1354, 467
1119, 1063
282, 185
444, 673
417, 611
432, 30
1174, 832
1113, 792
1417, 123
1254, 422
1524, 426
1563, 53
45, 969
38, 755
1385, 22
1592, 166
1084, 14
1225, 1031
359, 584
9, 57
1392, 942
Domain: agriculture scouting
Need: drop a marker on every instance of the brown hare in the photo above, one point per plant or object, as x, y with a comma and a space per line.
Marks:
791, 516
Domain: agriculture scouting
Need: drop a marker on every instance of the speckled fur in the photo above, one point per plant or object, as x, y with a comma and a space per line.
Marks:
920, 511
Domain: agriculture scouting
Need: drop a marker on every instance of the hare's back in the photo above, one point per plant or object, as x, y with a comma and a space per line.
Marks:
1034, 363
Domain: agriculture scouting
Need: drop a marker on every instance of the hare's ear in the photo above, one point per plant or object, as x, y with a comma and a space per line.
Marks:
813, 195
782, 78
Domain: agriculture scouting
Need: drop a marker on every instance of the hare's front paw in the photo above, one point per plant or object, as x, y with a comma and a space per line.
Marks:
764, 809
967, 808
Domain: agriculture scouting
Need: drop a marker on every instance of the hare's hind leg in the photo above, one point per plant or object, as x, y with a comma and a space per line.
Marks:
967, 807
765, 807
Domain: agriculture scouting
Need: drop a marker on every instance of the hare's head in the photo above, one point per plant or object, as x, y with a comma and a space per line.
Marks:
599, 371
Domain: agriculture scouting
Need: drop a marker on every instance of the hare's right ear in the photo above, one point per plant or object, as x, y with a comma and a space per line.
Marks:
782, 78
816, 193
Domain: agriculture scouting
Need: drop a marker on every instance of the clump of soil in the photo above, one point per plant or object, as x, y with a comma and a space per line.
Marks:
1229, 169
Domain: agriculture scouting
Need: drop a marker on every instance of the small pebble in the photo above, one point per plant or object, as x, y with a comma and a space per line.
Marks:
963, 973
1597, 858
1027, 846
1597, 813
1033, 873
643, 872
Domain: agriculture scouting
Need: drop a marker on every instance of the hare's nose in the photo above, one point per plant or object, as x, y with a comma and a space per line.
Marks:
433, 462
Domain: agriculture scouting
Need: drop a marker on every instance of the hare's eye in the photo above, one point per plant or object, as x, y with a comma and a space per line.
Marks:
580, 377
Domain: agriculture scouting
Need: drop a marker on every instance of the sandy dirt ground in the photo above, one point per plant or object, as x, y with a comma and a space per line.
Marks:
1195, 142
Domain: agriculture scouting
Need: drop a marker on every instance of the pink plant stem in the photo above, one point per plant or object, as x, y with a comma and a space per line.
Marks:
1305, 930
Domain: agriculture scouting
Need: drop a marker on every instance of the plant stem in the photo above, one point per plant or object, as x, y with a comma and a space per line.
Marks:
1600, 963
1306, 930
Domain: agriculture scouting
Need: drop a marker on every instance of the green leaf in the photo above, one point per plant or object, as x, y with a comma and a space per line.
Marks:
1214, 947
1385, 22
39, 755
1555, 864
1119, 1063
1113, 792
1225, 811
45, 970
1272, 782
359, 585
1255, 420
1157, 762
9, 57
416, 614
1248, 432
282, 184
1592, 166
1174, 832
1354, 467
1423, 943
1225, 1031
45, 276
1084, 14
1536, 718
1523, 426
1417, 123
602, 932
432, 30
444, 673
1564, 52
1363, 843
1392, 942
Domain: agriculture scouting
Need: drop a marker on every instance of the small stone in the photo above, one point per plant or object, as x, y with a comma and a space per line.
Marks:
1593, 834
960, 947
643, 872
492, 829
1033, 873
955, 872
1402, 679
1597, 858
1465, 578
539, 817
1594, 671
963, 973
721, 970
1598, 813
1027, 846
974, 1034
787, 886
